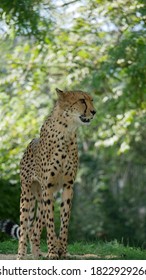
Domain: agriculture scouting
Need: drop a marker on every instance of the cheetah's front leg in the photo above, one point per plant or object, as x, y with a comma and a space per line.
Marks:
48, 202
65, 215
36, 230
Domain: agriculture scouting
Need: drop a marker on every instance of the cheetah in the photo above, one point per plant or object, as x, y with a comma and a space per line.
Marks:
48, 165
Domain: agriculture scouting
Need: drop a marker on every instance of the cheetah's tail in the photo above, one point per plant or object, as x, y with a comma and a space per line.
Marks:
10, 228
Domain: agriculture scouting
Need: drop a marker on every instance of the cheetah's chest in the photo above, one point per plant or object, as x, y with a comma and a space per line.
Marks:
58, 161
67, 172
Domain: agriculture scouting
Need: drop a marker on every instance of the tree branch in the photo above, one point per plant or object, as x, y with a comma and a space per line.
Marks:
68, 3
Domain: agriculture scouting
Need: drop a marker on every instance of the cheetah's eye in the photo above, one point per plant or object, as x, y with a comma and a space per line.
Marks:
82, 101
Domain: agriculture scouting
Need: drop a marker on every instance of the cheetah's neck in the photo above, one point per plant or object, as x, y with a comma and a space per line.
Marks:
59, 121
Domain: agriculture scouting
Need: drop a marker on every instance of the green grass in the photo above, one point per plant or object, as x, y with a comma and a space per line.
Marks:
107, 250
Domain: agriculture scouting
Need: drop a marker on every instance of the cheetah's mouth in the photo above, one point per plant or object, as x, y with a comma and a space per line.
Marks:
85, 119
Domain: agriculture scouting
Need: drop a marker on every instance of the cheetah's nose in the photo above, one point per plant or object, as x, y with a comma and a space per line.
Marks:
93, 112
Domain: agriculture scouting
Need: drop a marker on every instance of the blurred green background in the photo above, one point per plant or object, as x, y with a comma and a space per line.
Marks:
99, 47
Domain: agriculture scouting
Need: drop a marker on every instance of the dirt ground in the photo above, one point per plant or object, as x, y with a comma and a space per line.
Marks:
74, 257
71, 257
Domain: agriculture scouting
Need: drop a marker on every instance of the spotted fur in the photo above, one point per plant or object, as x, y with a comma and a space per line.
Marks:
49, 164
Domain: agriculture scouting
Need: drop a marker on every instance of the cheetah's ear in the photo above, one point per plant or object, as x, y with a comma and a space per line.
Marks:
60, 93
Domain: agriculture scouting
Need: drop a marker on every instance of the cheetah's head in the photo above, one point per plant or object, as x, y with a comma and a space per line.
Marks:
77, 104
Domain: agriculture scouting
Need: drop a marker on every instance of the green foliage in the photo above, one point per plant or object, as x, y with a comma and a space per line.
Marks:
99, 48
24, 17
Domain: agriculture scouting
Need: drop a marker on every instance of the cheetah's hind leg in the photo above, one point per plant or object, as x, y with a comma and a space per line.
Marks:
26, 205
39, 222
